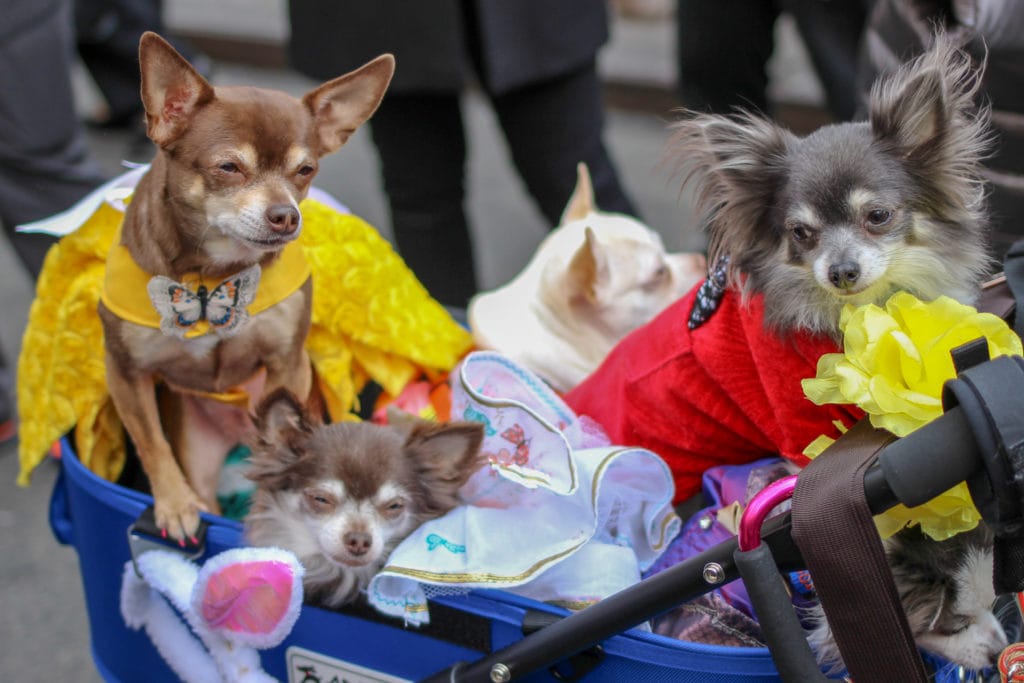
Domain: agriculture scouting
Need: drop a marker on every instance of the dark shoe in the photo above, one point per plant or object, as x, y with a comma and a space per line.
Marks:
8, 422
8, 430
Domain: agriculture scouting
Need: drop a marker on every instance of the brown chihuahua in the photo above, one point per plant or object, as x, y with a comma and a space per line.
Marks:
343, 496
207, 300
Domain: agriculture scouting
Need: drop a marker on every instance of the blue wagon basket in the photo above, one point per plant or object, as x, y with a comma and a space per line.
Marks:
485, 629
356, 646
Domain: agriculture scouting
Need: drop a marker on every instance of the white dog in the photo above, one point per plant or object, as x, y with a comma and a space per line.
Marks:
594, 279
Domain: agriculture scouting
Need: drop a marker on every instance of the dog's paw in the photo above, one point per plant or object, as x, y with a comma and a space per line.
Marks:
178, 516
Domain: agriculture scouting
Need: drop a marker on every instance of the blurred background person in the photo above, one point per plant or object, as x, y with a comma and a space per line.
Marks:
535, 62
723, 47
107, 34
993, 32
45, 163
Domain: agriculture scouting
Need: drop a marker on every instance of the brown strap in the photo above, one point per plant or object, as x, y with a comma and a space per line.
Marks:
837, 537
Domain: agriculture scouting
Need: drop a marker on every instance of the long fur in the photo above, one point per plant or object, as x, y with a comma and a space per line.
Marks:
945, 589
319, 487
850, 214
918, 157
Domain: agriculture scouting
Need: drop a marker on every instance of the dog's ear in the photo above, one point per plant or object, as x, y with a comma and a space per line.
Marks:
402, 421
446, 455
340, 106
172, 91
927, 115
581, 203
282, 426
910, 111
917, 107
587, 270
739, 165
279, 414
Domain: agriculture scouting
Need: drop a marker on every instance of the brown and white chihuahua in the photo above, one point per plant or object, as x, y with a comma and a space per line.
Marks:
342, 496
213, 215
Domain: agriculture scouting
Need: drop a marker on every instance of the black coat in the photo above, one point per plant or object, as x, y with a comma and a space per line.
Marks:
517, 42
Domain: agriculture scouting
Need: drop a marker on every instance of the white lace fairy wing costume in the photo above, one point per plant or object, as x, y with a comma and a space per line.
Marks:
558, 514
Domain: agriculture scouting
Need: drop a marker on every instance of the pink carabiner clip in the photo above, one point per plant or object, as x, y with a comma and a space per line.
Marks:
759, 507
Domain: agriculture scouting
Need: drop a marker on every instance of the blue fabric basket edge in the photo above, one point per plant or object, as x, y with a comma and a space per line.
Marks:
93, 515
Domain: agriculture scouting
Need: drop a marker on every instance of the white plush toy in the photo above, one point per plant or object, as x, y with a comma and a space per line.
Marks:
240, 601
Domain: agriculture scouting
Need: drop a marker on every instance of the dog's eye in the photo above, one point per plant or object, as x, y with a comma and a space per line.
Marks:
802, 233
959, 625
394, 507
229, 167
658, 277
306, 170
319, 502
879, 216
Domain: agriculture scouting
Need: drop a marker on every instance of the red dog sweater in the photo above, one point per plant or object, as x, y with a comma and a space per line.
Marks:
726, 391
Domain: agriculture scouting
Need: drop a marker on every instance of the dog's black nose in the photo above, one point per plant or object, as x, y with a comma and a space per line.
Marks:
283, 218
843, 275
358, 542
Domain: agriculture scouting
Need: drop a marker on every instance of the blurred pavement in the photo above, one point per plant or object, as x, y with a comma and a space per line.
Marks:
44, 634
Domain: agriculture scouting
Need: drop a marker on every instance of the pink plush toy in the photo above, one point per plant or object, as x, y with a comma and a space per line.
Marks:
240, 601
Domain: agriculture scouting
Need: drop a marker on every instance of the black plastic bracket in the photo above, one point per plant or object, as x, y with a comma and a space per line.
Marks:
574, 667
144, 534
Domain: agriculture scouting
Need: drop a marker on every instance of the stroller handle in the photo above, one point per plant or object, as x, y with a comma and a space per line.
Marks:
917, 468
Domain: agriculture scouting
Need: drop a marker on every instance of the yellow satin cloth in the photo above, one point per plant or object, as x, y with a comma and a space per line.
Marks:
372, 320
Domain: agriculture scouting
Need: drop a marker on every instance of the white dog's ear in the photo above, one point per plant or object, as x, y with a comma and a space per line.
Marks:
340, 106
581, 203
446, 455
588, 269
172, 90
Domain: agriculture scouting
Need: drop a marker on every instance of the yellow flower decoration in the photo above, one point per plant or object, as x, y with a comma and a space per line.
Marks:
893, 366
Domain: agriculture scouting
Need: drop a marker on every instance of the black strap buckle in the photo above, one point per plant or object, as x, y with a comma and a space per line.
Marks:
572, 668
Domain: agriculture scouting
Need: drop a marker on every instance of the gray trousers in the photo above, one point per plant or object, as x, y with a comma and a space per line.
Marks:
45, 164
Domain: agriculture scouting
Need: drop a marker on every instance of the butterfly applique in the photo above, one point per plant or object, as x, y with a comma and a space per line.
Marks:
224, 307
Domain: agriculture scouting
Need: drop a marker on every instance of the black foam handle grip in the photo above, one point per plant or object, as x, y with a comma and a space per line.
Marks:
932, 460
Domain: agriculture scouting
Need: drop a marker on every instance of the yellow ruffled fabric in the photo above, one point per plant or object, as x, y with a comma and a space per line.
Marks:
893, 366
372, 320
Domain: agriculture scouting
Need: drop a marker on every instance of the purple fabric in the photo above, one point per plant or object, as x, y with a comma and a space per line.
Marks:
734, 624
